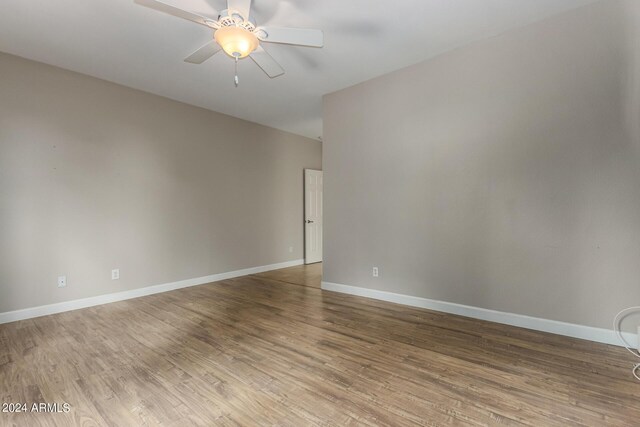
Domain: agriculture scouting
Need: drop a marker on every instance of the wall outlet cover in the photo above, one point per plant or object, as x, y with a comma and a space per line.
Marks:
115, 274
62, 281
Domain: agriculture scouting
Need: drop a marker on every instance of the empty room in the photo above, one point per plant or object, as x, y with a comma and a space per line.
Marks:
319, 213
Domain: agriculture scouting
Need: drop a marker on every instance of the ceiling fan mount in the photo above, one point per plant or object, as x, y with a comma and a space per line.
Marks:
237, 34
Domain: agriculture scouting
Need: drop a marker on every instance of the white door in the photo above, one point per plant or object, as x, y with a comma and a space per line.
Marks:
312, 216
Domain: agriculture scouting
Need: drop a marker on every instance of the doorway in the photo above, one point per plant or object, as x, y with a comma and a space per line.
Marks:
312, 216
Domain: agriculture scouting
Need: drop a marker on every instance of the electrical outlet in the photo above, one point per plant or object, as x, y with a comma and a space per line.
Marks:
375, 271
62, 281
115, 274
290, 249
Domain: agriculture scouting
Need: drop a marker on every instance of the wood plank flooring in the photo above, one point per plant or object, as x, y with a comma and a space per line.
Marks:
259, 351
303, 275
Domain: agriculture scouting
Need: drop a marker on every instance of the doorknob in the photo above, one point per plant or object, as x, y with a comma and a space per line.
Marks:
309, 221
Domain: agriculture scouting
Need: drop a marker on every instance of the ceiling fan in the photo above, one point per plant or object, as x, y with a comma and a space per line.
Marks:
235, 32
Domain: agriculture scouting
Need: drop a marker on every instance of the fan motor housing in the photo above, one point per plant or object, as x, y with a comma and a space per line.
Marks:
232, 18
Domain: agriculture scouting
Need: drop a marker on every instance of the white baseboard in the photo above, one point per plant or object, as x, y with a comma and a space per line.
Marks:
44, 310
606, 336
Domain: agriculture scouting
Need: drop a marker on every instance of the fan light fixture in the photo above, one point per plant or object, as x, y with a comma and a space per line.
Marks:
236, 41
236, 33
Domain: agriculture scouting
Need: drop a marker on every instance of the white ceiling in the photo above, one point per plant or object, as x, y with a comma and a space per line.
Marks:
123, 42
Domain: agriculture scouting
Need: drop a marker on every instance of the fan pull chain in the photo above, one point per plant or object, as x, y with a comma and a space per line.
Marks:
236, 81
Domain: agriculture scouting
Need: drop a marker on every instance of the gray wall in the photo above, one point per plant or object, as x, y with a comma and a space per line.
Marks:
503, 175
95, 176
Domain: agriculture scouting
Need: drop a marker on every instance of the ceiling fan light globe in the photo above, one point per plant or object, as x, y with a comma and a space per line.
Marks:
236, 42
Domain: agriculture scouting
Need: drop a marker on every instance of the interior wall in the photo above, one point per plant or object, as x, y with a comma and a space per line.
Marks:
503, 175
96, 176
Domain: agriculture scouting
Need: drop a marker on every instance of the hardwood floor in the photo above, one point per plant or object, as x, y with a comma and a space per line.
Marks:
258, 351
303, 275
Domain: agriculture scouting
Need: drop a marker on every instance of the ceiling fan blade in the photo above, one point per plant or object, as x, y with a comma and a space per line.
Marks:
297, 36
180, 13
204, 53
242, 6
269, 65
